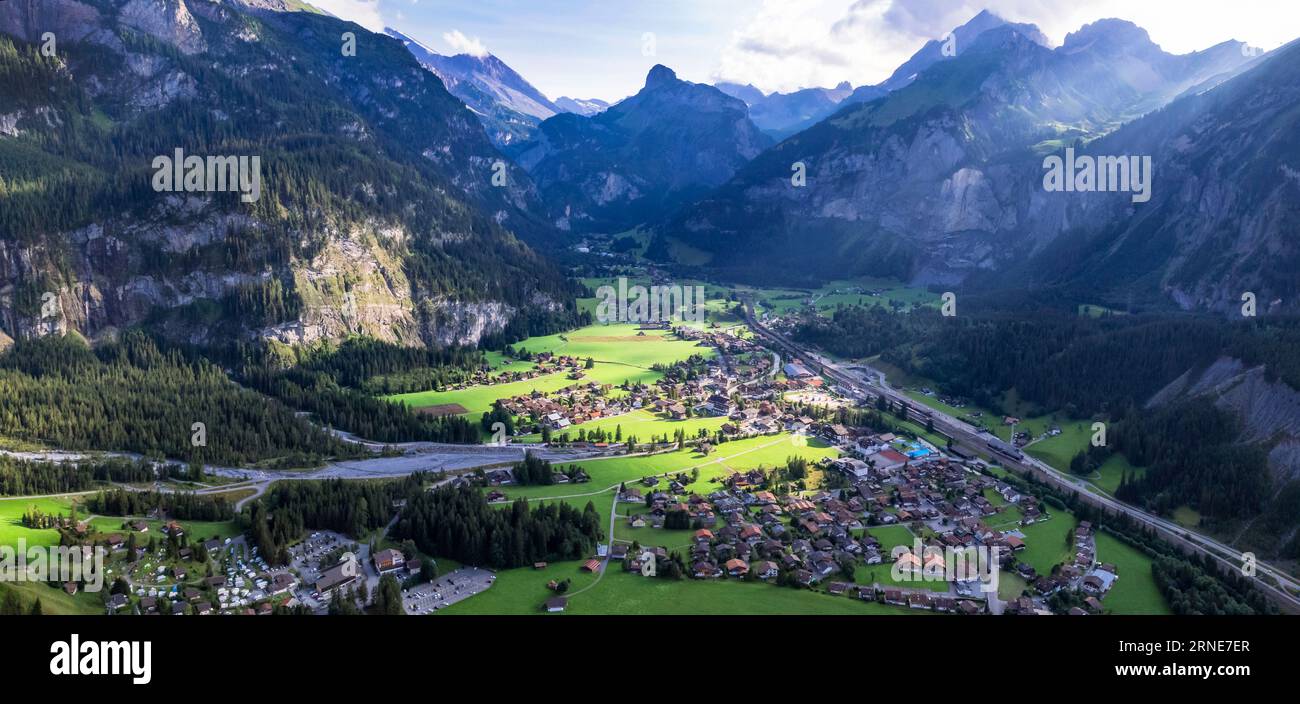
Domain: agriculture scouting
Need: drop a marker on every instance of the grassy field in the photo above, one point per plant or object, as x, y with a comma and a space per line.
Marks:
1111, 472
891, 536
1045, 542
738, 455
11, 513
55, 601
883, 574
1186, 516
1058, 451
620, 352
892, 294
523, 590
644, 425
1136, 591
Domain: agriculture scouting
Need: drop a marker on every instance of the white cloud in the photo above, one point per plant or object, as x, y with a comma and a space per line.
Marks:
462, 44
364, 12
790, 45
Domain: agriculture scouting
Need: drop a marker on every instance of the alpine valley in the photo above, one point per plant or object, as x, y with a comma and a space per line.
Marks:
365, 318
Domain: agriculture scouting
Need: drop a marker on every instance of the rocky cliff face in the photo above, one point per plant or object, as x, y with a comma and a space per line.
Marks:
1269, 409
655, 150
379, 213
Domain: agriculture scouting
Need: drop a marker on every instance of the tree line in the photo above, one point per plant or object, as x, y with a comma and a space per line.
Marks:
458, 522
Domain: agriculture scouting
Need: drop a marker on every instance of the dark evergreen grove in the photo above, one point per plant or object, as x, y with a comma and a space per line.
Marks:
23, 478
131, 396
460, 524
183, 506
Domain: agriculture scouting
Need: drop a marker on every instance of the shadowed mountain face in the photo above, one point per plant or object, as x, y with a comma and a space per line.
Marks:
509, 106
664, 146
1225, 203
942, 178
376, 214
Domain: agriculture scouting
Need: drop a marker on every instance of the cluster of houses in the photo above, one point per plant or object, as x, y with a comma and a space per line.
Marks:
743, 528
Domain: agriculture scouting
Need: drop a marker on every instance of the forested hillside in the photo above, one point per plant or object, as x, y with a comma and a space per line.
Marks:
377, 213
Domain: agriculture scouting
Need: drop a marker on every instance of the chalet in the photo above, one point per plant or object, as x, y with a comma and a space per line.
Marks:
148, 605
705, 570
766, 569
281, 583
117, 602
555, 604
737, 567
389, 561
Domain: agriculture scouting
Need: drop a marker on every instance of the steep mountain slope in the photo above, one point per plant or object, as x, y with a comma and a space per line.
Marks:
667, 144
942, 177
509, 106
581, 106
953, 45
377, 213
1225, 205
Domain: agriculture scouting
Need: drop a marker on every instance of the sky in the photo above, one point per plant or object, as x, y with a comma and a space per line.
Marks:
604, 48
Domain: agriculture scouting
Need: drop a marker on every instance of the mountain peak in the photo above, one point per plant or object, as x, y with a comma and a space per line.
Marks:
844, 85
659, 75
1110, 32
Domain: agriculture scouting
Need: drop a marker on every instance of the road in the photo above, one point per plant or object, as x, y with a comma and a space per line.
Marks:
968, 440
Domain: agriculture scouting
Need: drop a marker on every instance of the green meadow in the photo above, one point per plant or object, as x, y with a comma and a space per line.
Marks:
1135, 592
11, 513
644, 424
737, 455
621, 353
523, 591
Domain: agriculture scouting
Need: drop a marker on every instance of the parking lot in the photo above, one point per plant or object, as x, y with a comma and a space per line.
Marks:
305, 557
446, 590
